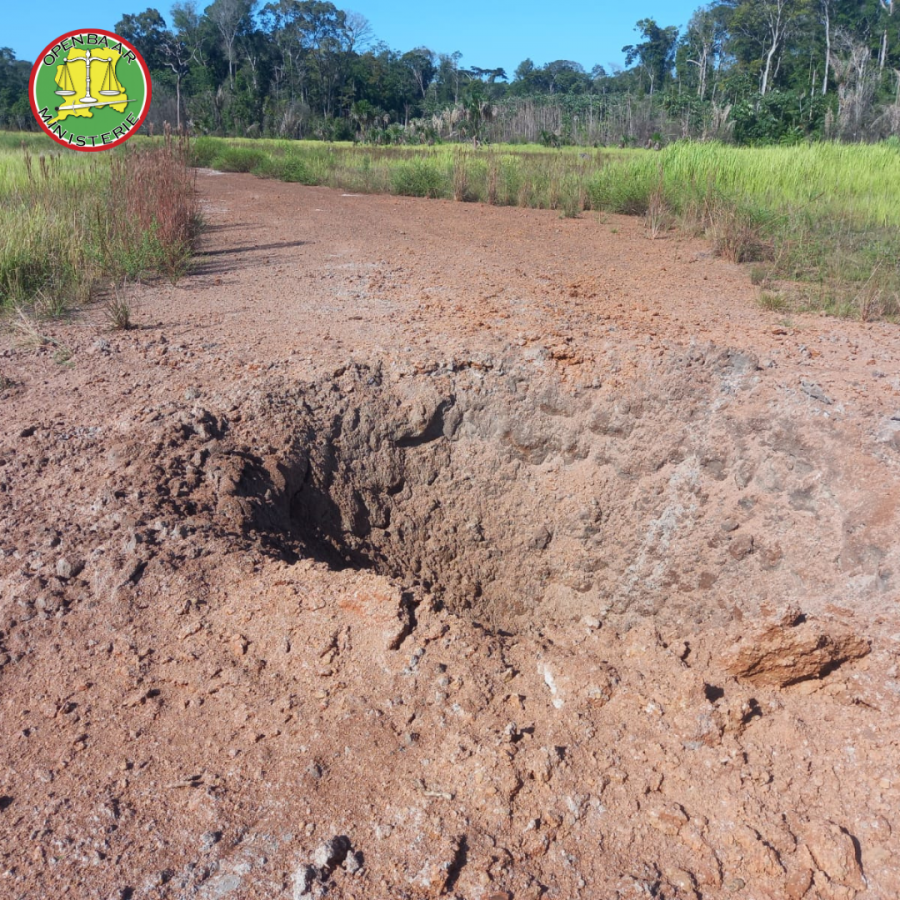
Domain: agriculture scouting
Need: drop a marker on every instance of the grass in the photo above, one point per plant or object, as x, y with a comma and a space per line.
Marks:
824, 218
524, 176
70, 222
771, 301
24, 324
118, 309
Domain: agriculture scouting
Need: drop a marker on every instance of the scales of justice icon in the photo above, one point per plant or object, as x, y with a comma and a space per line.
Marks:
109, 87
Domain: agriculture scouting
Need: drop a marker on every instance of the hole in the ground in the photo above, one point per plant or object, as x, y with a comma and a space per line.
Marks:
481, 492
508, 494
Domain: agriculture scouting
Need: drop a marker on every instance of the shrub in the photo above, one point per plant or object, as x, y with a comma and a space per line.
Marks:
738, 233
419, 178
153, 230
286, 168
118, 308
295, 169
203, 151
238, 159
772, 302
621, 190
657, 219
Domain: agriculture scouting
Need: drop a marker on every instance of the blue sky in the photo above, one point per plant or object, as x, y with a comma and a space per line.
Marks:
488, 33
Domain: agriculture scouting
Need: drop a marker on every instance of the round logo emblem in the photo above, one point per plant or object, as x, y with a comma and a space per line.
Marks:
90, 90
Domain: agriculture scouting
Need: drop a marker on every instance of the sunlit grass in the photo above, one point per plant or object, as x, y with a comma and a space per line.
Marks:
824, 218
70, 221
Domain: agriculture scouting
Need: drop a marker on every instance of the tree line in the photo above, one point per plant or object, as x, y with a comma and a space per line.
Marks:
750, 71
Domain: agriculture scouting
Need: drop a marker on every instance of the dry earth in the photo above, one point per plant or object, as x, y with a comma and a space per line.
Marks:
414, 549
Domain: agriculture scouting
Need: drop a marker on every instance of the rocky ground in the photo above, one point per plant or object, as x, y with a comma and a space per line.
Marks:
413, 549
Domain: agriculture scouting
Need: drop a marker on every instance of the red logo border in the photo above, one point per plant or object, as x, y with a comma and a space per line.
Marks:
39, 62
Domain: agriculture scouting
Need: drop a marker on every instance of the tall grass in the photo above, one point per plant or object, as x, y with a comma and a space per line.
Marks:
820, 222
72, 221
523, 176
826, 217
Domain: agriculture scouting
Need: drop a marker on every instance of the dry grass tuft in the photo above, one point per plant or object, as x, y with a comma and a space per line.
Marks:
25, 326
737, 234
118, 309
772, 301
658, 218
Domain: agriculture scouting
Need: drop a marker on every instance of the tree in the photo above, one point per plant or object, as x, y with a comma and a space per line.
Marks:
888, 7
656, 54
777, 24
566, 77
313, 41
364, 114
230, 17
177, 58
178, 49
447, 80
529, 79
358, 31
524, 70
15, 111
188, 24
147, 31
702, 44
826, 8
760, 32
753, 70
420, 63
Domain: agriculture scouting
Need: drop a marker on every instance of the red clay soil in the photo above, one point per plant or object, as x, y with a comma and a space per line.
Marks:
412, 549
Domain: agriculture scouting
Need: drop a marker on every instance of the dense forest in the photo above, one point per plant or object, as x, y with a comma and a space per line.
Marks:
748, 71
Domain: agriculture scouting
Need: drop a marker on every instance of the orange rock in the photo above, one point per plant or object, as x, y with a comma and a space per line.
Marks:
782, 654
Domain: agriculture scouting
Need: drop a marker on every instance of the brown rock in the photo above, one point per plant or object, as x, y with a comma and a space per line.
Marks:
741, 546
834, 852
669, 818
782, 654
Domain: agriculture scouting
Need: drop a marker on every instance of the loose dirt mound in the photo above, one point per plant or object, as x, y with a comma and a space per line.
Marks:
415, 549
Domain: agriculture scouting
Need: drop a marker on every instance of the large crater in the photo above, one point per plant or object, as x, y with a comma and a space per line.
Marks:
505, 493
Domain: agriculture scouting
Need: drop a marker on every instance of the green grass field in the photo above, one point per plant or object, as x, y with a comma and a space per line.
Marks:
823, 219
819, 223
